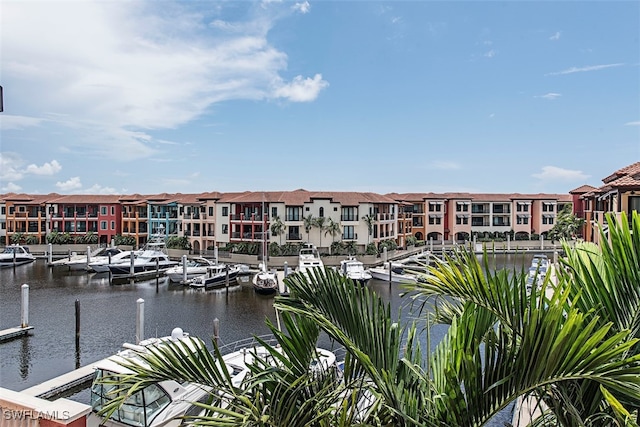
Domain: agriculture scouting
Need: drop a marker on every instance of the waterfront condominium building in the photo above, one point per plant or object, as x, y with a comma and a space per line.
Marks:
619, 193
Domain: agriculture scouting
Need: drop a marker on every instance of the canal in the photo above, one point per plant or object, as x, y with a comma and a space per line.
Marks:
108, 316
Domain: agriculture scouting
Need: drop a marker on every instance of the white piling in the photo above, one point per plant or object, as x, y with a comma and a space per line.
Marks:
508, 242
50, 254
286, 269
24, 315
139, 320
216, 330
184, 268
88, 254
215, 254
131, 267
541, 242
113, 243
384, 254
431, 244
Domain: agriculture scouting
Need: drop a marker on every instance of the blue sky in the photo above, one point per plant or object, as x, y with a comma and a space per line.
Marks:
118, 97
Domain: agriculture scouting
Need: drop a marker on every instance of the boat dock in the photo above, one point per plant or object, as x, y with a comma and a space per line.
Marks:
75, 380
12, 333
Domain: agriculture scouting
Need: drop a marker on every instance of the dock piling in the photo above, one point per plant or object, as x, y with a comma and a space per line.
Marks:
50, 254
216, 330
139, 320
184, 269
24, 315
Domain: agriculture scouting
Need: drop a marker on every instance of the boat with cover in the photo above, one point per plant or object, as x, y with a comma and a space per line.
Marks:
163, 403
398, 273
194, 267
101, 265
265, 282
153, 258
81, 262
354, 270
15, 255
308, 258
216, 276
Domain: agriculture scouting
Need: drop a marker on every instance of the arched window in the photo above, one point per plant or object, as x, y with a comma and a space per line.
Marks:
321, 212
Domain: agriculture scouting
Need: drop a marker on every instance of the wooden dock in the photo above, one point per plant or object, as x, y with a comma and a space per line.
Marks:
75, 380
13, 333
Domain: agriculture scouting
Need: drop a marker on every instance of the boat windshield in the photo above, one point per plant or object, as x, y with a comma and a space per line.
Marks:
137, 410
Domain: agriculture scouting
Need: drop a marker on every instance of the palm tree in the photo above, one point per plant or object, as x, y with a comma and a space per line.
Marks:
277, 227
370, 221
320, 224
308, 224
332, 228
502, 343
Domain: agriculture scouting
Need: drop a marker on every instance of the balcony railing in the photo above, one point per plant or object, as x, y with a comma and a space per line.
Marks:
346, 218
292, 236
243, 217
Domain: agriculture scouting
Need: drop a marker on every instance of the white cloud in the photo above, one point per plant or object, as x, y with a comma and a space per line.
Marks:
70, 184
46, 169
584, 69
10, 164
490, 54
138, 67
9, 122
633, 123
551, 96
555, 36
553, 173
98, 189
303, 7
301, 90
444, 165
11, 188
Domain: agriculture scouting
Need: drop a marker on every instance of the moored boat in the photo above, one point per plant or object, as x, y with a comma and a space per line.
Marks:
16, 255
308, 259
354, 270
216, 276
193, 268
397, 274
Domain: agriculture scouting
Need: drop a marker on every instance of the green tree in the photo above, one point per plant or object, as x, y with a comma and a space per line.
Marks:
370, 221
567, 225
277, 227
334, 229
308, 222
179, 242
320, 223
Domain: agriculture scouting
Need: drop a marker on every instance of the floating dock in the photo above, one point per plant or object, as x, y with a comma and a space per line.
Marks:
74, 380
13, 333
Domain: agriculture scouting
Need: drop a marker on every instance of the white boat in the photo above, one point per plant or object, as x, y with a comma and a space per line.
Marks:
354, 270
195, 267
308, 259
163, 403
398, 274
265, 282
152, 259
15, 255
216, 276
101, 265
81, 262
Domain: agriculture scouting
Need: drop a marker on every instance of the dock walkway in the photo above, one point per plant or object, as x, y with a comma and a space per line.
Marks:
12, 333
76, 379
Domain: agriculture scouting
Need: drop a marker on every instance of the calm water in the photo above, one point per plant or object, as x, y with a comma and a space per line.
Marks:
108, 316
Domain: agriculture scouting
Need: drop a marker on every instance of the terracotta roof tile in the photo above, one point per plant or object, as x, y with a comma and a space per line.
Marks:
582, 189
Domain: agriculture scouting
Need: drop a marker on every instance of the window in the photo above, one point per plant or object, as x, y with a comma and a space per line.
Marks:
113, 225
225, 228
548, 207
103, 225
547, 219
462, 219
349, 214
103, 210
307, 209
292, 213
210, 210
522, 219
12, 209
348, 232
462, 207
321, 212
523, 207
435, 206
113, 210
225, 211
435, 219
274, 212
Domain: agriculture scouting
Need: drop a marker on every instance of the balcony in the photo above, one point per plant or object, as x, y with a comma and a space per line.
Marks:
293, 236
243, 217
347, 218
